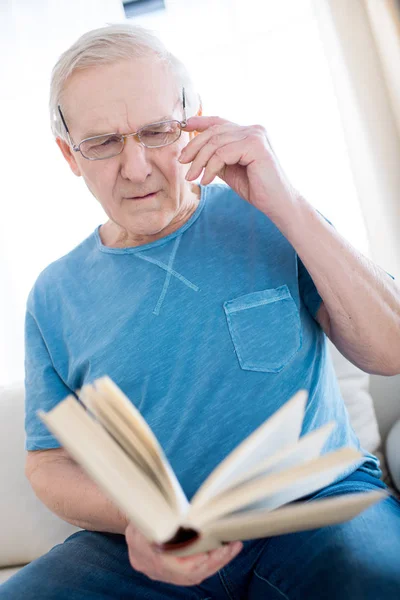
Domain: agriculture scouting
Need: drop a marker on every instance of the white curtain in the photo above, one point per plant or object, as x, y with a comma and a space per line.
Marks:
362, 44
384, 19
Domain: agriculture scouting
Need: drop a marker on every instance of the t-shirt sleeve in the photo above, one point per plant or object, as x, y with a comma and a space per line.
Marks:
43, 387
307, 289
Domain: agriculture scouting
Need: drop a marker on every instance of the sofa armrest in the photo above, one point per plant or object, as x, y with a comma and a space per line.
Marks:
393, 453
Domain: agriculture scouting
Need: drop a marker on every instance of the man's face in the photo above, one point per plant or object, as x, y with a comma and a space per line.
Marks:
121, 98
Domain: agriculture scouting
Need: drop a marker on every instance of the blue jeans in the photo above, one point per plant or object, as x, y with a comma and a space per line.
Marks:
357, 560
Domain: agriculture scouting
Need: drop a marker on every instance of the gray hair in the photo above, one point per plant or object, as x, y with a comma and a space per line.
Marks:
108, 45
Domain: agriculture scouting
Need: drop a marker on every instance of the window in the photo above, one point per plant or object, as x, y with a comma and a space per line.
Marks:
139, 7
262, 61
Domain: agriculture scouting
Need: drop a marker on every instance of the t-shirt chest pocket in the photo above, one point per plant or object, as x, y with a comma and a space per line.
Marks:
265, 329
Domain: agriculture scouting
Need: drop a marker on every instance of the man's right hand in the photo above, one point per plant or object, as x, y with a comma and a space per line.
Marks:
185, 571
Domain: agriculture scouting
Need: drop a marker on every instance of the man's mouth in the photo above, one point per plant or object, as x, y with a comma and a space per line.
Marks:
145, 197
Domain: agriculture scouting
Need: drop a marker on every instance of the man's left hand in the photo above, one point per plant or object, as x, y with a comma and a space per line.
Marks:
242, 157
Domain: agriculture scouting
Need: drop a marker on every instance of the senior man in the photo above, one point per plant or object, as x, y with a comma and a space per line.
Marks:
209, 305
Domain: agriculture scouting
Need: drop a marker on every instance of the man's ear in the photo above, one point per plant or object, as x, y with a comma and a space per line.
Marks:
192, 134
69, 156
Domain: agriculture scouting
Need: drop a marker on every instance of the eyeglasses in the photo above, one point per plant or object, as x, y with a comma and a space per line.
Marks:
154, 135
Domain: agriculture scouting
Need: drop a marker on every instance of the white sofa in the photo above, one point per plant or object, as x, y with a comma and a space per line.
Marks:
28, 529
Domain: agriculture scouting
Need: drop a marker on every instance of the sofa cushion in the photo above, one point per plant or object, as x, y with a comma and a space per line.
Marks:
354, 387
7, 573
393, 454
28, 528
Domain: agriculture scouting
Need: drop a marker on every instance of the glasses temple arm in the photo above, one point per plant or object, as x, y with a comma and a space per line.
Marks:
66, 128
184, 122
62, 119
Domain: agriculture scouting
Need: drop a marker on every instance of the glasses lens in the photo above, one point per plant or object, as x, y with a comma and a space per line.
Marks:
103, 146
160, 134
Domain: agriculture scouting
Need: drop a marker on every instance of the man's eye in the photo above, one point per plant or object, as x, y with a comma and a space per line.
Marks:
155, 133
110, 140
101, 143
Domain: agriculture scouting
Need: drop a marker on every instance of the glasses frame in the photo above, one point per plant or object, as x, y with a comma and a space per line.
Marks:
123, 137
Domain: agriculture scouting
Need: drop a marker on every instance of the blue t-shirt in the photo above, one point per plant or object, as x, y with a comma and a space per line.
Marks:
208, 331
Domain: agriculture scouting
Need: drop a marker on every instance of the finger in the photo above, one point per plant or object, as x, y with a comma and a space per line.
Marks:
218, 558
185, 563
190, 151
215, 168
231, 154
179, 570
145, 558
194, 561
200, 123
159, 549
136, 539
195, 558
141, 554
144, 562
214, 143
193, 574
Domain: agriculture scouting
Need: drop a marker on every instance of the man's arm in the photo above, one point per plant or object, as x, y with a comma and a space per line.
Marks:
66, 490
361, 303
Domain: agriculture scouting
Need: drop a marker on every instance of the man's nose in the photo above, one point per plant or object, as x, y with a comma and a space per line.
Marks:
136, 165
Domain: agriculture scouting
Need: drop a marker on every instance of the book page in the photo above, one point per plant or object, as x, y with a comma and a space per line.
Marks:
281, 429
289, 519
108, 465
277, 488
309, 446
205, 543
114, 409
114, 422
295, 517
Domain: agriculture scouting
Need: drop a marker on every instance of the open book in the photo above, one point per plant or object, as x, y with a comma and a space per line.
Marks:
254, 492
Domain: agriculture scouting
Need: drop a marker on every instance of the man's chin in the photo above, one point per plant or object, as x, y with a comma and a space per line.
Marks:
151, 227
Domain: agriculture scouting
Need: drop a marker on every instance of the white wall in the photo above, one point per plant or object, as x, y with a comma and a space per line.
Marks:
369, 121
263, 61
45, 209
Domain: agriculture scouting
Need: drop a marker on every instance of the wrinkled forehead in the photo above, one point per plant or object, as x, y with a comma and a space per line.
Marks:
121, 97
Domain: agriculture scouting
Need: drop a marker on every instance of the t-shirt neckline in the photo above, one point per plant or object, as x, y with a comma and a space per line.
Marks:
161, 241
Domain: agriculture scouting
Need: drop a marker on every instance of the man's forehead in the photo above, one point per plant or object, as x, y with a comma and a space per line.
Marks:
120, 117
117, 99
106, 125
